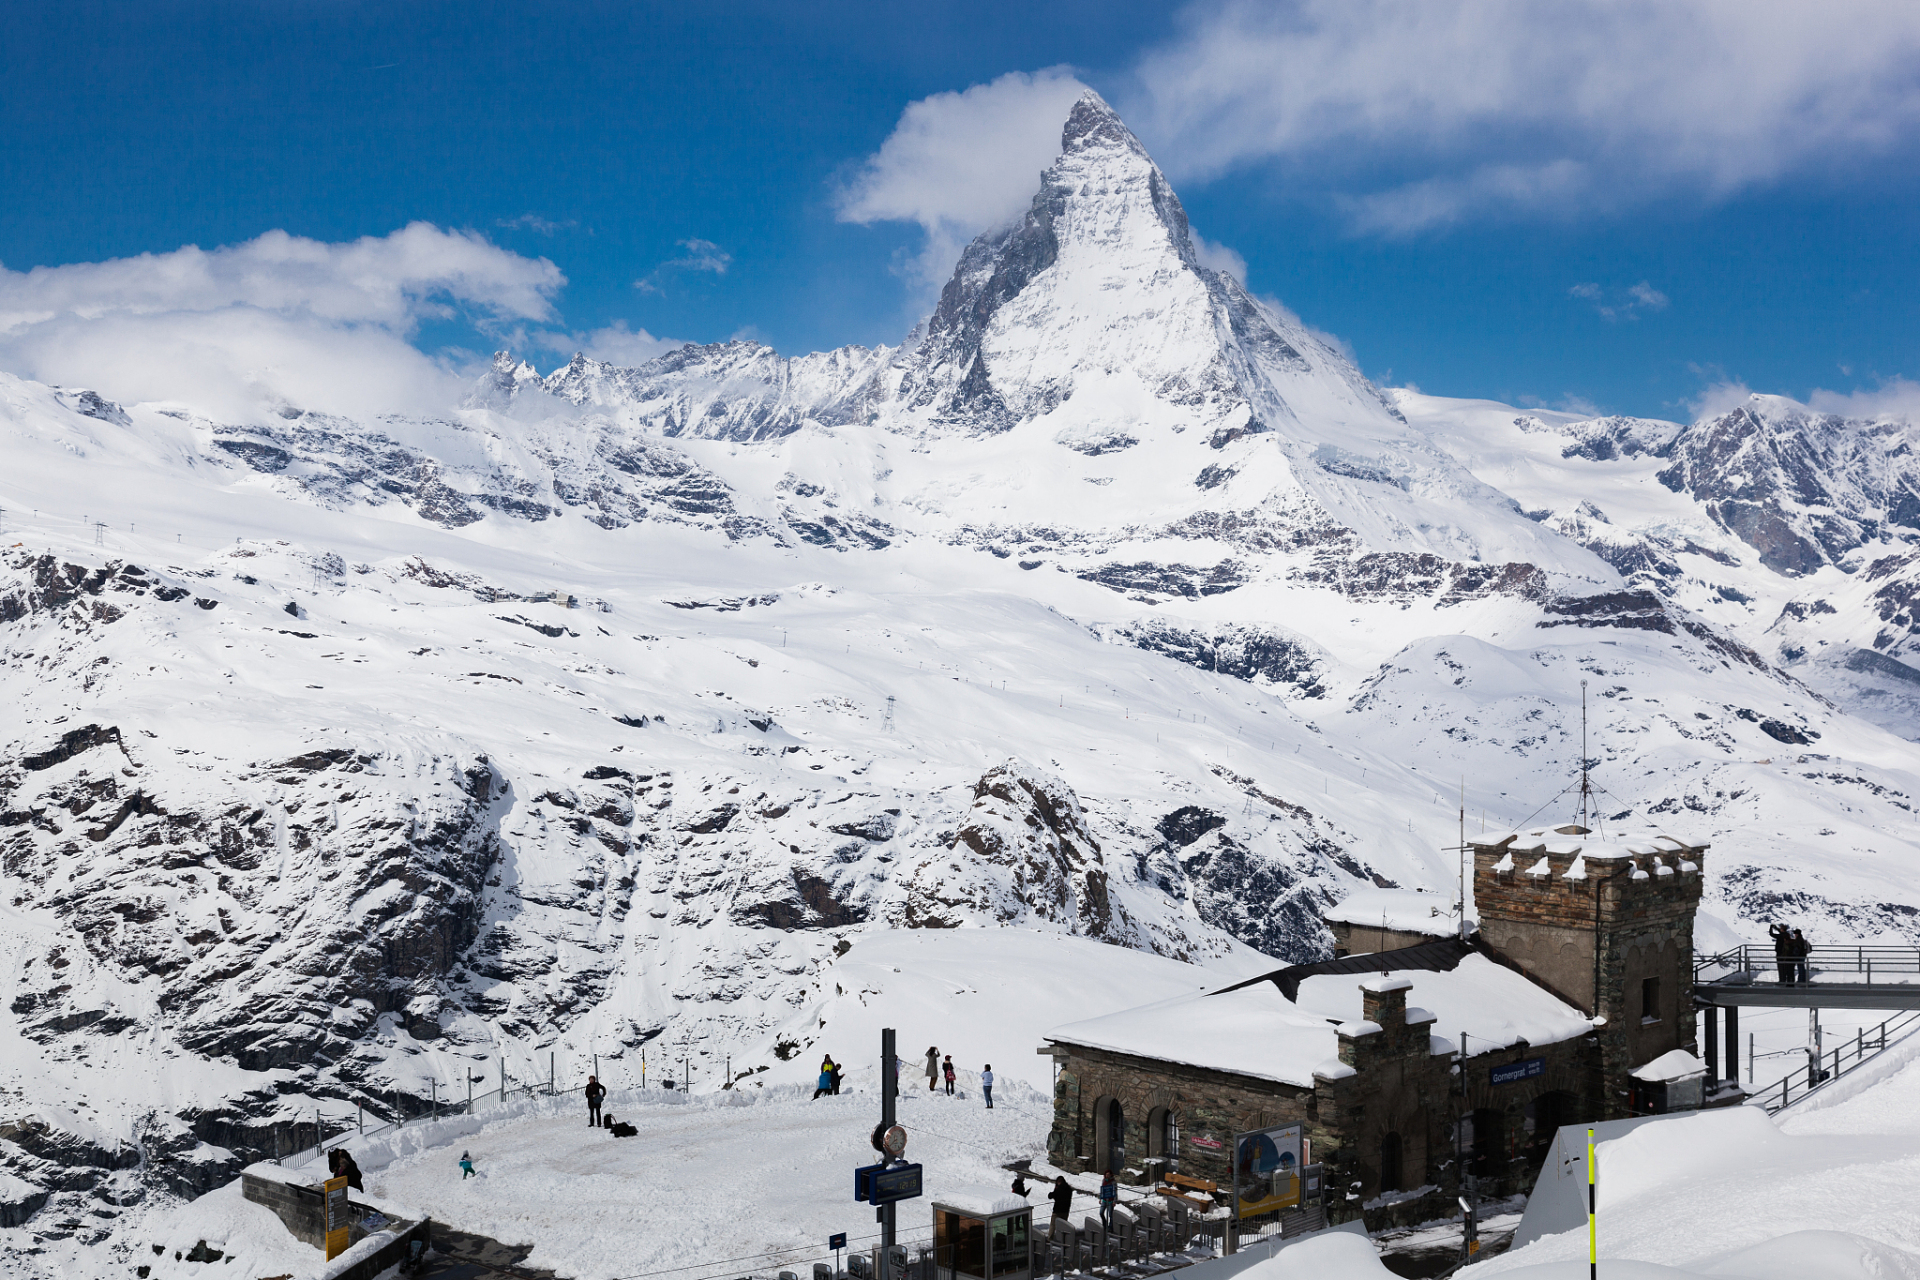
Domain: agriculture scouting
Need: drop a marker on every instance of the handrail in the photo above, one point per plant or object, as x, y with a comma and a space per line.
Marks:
1751, 959
1780, 1095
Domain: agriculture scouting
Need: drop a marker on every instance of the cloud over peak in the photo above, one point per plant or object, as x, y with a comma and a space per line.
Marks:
276, 318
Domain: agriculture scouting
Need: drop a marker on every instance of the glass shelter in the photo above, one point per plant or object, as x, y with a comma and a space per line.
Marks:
982, 1234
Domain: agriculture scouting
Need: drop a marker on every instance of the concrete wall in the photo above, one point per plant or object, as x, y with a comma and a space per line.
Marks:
303, 1209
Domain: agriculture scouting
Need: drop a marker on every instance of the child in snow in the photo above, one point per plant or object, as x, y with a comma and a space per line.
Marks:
947, 1066
825, 1083
986, 1085
466, 1166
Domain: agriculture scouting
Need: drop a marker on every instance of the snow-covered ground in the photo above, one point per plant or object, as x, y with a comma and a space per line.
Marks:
1827, 1192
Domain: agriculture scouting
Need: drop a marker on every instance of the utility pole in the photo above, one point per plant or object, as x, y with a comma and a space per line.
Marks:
889, 1082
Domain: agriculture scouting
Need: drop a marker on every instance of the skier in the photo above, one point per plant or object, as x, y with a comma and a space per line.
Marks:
933, 1068
1109, 1194
466, 1167
826, 1078
947, 1066
595, 1092
1782, 950
1062, 1197
986, 1084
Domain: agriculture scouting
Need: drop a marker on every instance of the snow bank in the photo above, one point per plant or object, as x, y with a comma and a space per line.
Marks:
1727, 1193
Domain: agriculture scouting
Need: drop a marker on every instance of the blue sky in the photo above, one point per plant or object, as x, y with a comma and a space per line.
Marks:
1621, 206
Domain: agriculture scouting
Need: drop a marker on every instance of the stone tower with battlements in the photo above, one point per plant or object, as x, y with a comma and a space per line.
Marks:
1605, 923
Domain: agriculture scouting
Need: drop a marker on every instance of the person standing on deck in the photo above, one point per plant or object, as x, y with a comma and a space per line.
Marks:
1801, 950
1109, 1196
1782, 950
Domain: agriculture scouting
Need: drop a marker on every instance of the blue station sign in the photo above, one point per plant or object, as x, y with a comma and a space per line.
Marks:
1513, 1072
880, 1184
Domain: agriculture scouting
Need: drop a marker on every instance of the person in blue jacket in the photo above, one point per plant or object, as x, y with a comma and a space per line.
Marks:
827, 1073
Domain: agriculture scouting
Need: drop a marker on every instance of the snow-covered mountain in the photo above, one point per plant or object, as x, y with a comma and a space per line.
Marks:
355, 759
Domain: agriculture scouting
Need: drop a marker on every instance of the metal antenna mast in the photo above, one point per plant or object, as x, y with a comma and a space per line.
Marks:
1586, 788
1463, 858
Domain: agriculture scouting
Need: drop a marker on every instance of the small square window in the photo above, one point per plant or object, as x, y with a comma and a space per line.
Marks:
1650, 1000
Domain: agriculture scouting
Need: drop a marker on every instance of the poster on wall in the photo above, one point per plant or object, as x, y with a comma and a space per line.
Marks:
1266, 1170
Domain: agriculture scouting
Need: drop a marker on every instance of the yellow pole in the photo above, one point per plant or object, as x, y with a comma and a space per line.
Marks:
1593, 1236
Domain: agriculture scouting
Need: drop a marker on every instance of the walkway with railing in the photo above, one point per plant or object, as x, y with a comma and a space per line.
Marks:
1827, 977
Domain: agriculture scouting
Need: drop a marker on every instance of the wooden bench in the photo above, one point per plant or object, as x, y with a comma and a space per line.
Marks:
1192, 1184
1174, 1193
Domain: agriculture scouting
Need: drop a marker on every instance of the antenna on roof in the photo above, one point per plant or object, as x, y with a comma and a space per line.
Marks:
1463, 858
1586, 787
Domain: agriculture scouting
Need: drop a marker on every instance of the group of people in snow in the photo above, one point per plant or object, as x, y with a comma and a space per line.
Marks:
939, 1067
1790, 952
829, 1076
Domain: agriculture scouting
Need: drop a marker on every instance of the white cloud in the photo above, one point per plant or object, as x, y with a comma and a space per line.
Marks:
1621, 304
959, 163
1896, 398
1219, 257
701, 255
1417, 113
279, 319
616, 344
537, 224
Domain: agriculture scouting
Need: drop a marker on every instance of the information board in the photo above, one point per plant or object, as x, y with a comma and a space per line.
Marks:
337, 1216
879, 1184
1266, 1170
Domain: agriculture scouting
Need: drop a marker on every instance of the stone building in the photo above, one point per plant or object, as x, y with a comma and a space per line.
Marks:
1579, 973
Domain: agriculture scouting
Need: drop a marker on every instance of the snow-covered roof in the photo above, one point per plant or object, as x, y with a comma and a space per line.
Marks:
1619, 843
1255, 1031
1675, 1064
979, 1200
1403, 910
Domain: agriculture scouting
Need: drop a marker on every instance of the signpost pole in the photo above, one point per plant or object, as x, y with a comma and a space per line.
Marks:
889, 1081
1593, 1237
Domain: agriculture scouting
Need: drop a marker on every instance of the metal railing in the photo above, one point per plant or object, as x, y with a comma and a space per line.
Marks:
1842, 1060
1752, 962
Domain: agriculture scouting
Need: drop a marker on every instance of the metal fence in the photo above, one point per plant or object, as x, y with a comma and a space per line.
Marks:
1861, 963
1843, 1059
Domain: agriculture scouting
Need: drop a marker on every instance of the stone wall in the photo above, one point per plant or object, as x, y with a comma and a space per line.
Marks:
1212, 1107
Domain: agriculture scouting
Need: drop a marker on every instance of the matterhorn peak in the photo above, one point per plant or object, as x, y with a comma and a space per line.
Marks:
1093, 123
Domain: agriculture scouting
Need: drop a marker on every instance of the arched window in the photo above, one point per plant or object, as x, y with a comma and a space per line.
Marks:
1390, 1163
